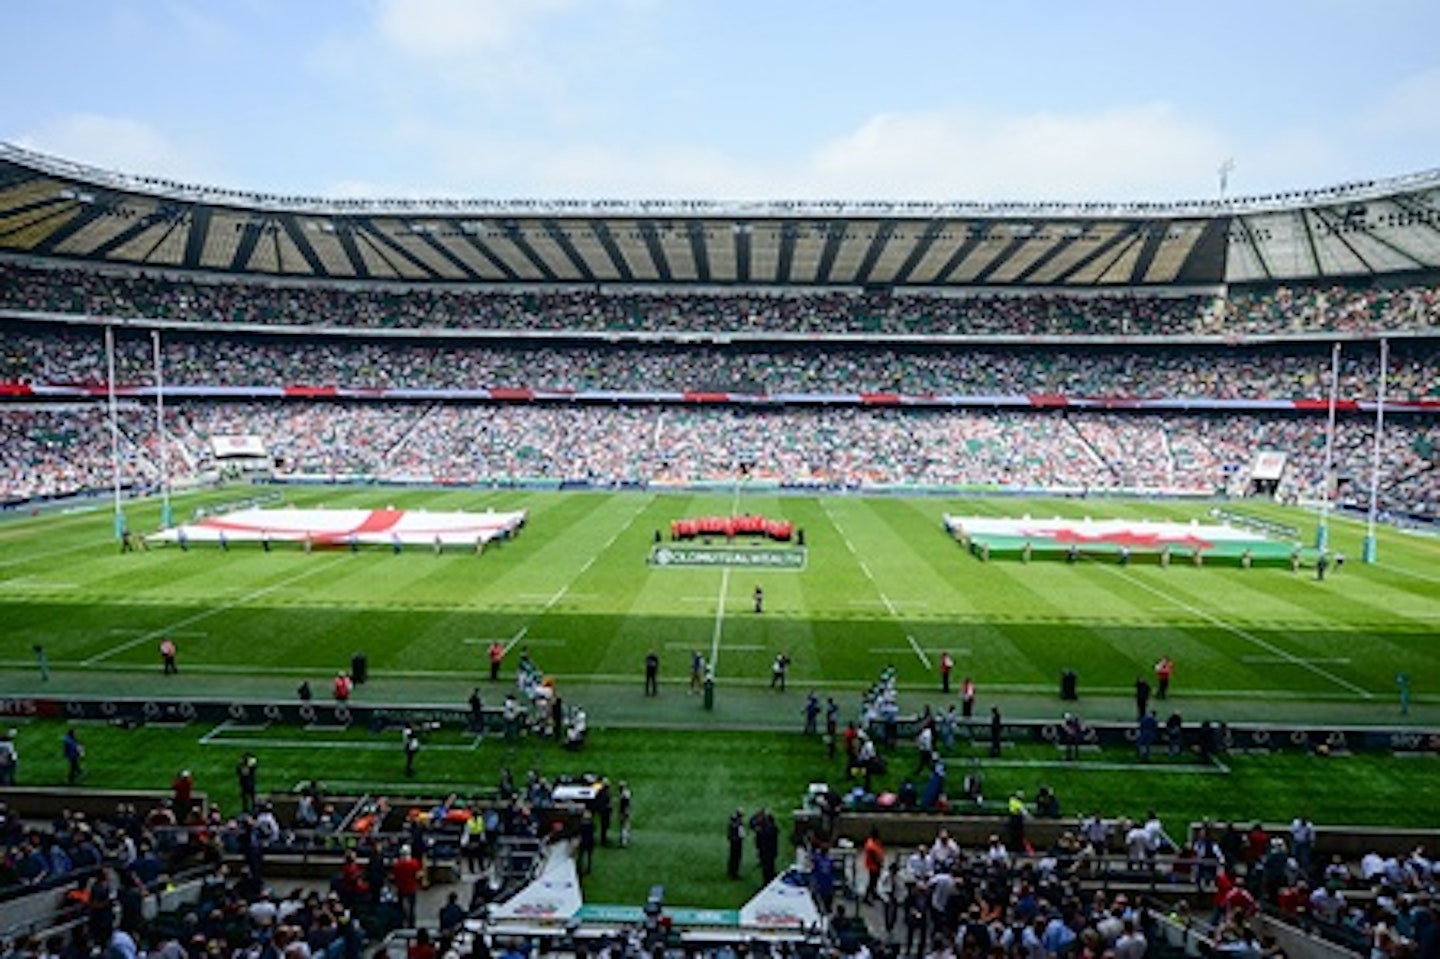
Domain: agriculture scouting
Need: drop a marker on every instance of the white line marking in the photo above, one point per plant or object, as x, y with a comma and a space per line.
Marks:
525, 629
925, 660
32, 557
198, 617
1237, 631
357, 745
1216, 768
881, 602
30, 582
719, 621
890, 606
534, 596
529, 641
1408, 572
1282, 661
733, 647
890, 650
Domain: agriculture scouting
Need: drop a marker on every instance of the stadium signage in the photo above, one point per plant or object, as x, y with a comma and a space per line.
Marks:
672, 556
1242, 737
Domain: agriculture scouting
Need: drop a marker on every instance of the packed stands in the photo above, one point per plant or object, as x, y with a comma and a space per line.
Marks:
38, 354
53, 452
1277, 311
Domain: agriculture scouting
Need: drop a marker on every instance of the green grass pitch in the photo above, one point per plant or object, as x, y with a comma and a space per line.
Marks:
883, 585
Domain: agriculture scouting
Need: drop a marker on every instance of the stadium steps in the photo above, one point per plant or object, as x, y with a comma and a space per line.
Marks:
1091, 449
400, 443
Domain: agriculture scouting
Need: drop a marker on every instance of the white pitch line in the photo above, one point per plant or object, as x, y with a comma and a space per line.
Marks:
733, 647
890, 650
1282, 661
520, 635
32, 557
918, 651
529, 641
719, 620
1237, 631
1216, 768
357, 745
890, 606
1408, 572
198, 617
215, 732
30, 582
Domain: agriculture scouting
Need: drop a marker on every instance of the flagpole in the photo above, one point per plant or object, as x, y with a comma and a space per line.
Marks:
1322, 532
160, 432
114, 430
1368, 551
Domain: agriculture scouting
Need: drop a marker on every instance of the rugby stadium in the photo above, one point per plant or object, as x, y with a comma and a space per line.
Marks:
340, 456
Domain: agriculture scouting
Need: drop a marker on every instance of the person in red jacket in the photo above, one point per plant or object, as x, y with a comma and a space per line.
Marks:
183, 788
873, 857
406, 873
342, 687
1164, 669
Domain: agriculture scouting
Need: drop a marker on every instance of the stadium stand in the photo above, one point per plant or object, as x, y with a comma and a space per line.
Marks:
1081, 350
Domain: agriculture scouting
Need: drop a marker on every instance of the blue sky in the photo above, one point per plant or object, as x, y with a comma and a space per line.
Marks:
731, 99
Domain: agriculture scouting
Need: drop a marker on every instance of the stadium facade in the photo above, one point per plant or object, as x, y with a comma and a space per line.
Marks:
58, 210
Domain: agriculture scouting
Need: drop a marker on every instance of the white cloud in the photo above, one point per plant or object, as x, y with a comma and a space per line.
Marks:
1142, 152
125, 145
451, 29
1147, 151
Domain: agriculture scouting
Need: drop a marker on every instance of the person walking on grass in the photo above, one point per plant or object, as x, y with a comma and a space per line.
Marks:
735, 839
411, 742
167, 657
74, 751
778, 671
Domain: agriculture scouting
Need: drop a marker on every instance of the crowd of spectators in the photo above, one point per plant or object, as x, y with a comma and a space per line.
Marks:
51, 452
1007, 897
141, 296
186, 881
34, 353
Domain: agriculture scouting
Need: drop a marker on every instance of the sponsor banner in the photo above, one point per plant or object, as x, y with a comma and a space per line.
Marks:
242, 445
1243, 737
26, 707
702, 556
635, 915
1268, 465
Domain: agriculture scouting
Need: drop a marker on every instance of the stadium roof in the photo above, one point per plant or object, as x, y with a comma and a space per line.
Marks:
56, 209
